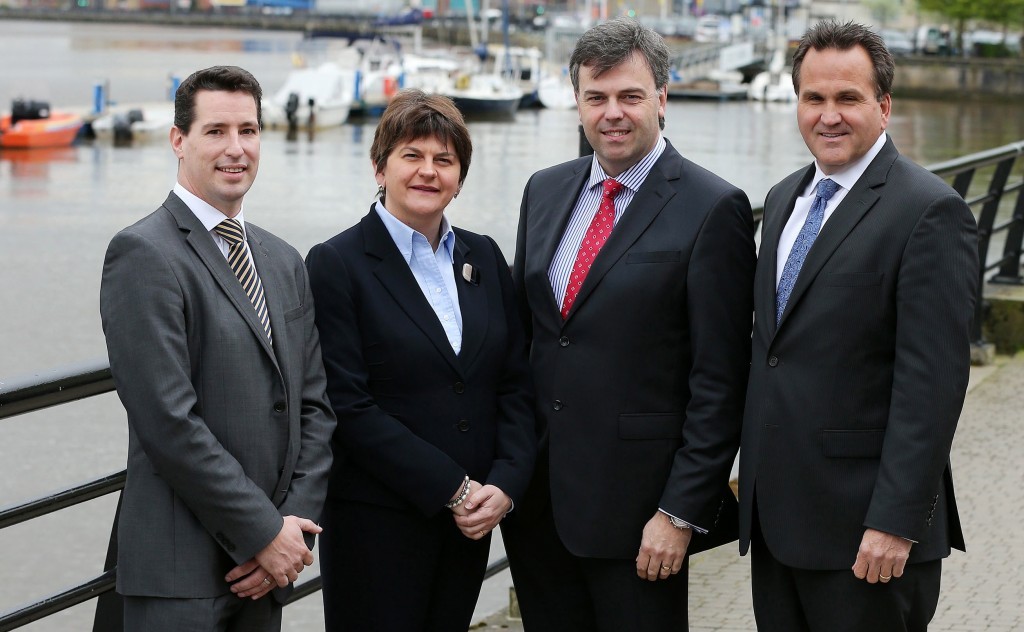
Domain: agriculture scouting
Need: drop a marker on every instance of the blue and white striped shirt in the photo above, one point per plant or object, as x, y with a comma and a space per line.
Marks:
585, 209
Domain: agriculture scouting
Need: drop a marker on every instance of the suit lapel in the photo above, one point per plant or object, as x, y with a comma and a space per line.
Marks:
861, 198
394, 274
553, 208
654, 194
472, 304
202, 243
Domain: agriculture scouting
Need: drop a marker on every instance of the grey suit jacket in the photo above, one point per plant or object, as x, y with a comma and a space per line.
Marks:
227, 433
854, 397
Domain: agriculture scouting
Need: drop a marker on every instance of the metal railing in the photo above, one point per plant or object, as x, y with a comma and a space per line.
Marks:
61, 386
68, 384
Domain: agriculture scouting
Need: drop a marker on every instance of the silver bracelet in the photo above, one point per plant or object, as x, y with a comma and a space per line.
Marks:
452, 504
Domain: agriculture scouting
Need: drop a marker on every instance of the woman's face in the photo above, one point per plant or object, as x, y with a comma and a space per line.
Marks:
421, 177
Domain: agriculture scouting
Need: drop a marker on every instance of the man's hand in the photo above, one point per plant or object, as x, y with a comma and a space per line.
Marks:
662, 549
287, 554
881, 556
484, 509
250, 580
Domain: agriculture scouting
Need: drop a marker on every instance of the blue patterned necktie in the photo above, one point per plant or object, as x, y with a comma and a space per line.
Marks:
826, 189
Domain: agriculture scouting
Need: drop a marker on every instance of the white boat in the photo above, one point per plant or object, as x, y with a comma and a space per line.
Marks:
480, 91
484, 93
378, 74
136, 123
775, 84
323, 95
555, 92
429, 73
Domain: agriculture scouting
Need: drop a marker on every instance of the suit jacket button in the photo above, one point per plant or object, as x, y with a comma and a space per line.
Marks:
459, 387
773, 361
564, 341
279, 407
557, 405
463, 425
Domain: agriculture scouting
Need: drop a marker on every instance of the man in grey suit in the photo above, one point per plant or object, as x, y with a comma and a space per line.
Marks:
863, 299
209, 328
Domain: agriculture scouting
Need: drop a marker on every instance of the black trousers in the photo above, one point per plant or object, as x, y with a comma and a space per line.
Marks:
560, 592
392, 570
788, 599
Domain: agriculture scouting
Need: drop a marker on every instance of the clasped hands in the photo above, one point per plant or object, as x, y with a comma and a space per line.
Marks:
483, 509
278, 564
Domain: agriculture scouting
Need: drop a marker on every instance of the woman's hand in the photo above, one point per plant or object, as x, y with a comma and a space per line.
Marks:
484, 509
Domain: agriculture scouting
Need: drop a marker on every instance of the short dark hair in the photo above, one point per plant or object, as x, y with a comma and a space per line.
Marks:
413, 114
830, 34
217, 78
607, 45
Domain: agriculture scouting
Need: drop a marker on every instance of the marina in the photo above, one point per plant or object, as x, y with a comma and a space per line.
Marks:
59, 208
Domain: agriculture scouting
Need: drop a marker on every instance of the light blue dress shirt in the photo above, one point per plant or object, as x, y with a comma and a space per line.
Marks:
434, 270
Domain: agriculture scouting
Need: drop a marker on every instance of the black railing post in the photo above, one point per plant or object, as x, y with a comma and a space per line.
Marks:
585, 148
962, 182
109, 615
1009, 270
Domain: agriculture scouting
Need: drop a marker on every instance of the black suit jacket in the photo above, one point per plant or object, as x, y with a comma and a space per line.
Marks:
640, 390
854, 397
414, 418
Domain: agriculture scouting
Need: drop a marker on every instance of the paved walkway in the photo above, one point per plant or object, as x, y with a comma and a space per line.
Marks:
982, 590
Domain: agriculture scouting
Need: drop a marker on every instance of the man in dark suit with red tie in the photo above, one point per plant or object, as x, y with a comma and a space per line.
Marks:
634, 269
863, 301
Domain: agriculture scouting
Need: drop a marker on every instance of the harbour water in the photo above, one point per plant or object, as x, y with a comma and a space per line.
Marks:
59, 208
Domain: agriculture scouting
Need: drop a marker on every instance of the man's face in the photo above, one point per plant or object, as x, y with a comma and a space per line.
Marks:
620, 111
837, 112
219, 157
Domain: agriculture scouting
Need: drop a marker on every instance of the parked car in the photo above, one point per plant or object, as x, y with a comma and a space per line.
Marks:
897, 42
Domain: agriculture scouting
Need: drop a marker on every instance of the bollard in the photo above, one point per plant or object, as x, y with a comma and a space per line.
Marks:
175, 82
99, 98
585, 148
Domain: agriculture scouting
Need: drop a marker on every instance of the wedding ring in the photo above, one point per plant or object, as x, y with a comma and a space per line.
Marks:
666, 568
884, 578
266, 581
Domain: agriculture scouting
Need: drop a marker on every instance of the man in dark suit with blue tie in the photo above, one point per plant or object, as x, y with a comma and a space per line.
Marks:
863, 301
210, 330
634, 268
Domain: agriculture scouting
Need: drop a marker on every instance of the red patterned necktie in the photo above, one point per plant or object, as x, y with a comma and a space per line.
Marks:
597, 234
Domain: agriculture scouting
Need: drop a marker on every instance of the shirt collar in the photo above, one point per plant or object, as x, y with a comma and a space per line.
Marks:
633, 177
848, 175
208, 215
404, 236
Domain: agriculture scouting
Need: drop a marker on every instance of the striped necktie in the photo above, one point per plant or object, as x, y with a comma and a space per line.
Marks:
242, 266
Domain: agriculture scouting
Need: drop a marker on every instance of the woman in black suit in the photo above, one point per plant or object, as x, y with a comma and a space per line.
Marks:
427, 372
